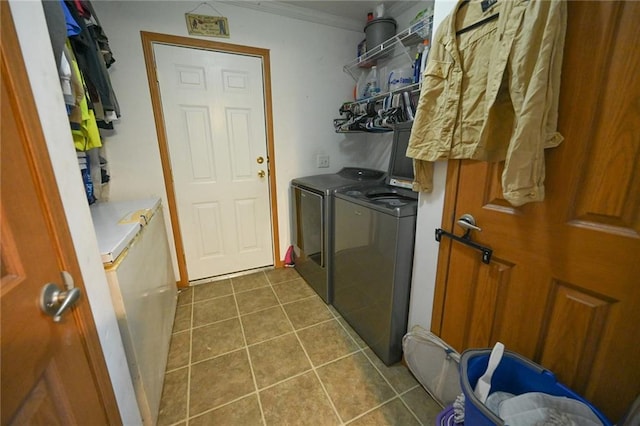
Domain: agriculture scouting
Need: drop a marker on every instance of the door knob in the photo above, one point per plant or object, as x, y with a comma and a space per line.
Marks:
261, 173
468, 223
260, 160
55, 302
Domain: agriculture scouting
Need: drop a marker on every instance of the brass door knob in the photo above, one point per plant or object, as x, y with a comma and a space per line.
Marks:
260, 160
261, 173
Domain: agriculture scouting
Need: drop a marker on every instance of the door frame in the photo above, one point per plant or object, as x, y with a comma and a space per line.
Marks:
42, 171
148, 39
445, 245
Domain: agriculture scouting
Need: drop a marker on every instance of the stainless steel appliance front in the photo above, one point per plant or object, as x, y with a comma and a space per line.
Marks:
309, 211
373, 258
313, 223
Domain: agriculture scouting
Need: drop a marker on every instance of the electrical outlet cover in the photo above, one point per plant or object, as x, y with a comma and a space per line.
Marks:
322, 160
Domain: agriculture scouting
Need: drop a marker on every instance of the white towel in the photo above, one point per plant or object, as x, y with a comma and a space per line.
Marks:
536, 408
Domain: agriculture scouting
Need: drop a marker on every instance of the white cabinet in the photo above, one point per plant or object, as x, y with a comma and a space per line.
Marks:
139, 270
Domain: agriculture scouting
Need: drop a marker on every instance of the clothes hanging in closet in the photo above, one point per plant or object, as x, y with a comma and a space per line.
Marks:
92, 64
491, 94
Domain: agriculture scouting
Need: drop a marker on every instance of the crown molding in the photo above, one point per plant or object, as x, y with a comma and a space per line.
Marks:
301, 13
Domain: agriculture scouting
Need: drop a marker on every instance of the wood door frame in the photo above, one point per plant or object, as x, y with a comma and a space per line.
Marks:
42, 171
148, 39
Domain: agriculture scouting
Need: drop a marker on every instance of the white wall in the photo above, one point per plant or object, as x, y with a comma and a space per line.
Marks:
425, 257
41, 69
308, 87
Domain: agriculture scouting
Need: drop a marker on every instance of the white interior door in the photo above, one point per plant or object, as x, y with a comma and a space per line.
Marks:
213, 107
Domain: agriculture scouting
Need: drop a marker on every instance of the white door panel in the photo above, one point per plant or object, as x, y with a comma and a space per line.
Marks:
213, 107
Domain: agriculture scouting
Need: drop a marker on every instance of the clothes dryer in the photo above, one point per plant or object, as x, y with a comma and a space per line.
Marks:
313, 223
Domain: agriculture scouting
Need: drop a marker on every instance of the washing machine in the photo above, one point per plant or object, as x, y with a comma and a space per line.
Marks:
313, 222
374, 234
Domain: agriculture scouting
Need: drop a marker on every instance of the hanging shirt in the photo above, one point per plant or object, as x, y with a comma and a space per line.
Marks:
82, 119
491, 94
91, 62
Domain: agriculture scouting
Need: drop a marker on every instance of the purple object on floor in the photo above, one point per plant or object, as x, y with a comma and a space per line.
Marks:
445, 418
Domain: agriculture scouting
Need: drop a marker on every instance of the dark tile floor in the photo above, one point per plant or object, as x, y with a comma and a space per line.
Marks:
264, 349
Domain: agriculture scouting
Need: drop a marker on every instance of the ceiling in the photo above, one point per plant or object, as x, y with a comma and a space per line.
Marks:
345, 14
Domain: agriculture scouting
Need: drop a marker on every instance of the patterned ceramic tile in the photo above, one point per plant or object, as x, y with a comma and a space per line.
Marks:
249, 282
219, 380
398, 374
266, 324
307, 312
392, 413
255, 300
354, 385
290, 291
179, 350
216, 339
182, 320
326, 342
277, 359
354, 335
211, 290
173, 404
214, 310
281, 274
185, 296
298, 401
262, 308
423, 406
245, 412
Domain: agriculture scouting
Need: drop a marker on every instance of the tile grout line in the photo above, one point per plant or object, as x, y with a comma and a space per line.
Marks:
279, 305
309, 370
373, 409
358, 349
217, 407
313, 368
407, 405
398, 394
190, 356
246, 349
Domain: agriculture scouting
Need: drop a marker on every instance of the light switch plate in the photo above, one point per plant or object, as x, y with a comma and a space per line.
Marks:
323, 161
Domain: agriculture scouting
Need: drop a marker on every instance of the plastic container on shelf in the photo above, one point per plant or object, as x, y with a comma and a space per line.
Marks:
379, 30
416, 64
373, 84
399, 78
516, 375
368, 85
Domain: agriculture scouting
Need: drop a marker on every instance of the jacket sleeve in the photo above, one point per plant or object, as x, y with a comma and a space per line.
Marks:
421, 147
534, 65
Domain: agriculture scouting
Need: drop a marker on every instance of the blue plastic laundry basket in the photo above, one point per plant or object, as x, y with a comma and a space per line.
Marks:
515, 374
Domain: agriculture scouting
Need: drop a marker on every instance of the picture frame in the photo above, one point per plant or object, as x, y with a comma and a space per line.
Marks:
205, 25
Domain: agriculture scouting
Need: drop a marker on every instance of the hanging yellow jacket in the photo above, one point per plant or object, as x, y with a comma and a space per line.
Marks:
491, 93
84, 128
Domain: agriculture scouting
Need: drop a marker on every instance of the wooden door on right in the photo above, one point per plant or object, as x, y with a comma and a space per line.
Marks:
563, 287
